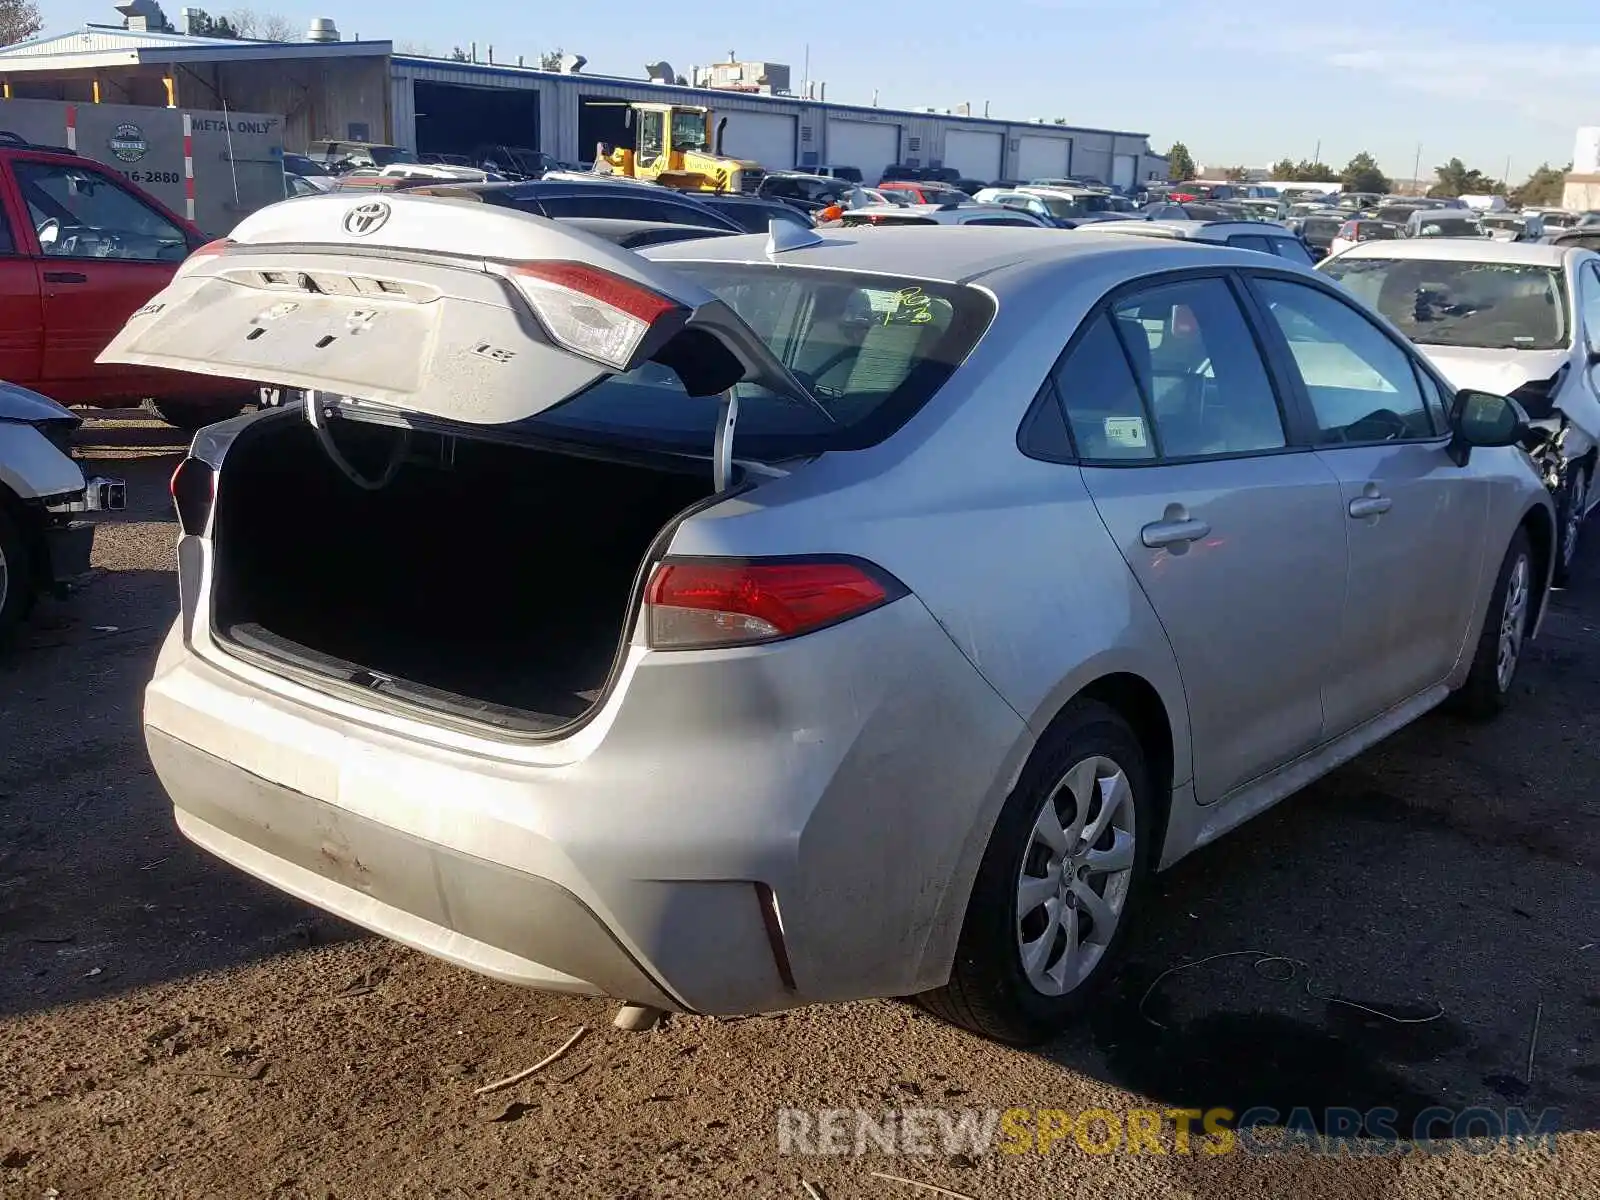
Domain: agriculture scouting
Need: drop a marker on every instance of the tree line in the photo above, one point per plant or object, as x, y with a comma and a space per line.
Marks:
1362, 174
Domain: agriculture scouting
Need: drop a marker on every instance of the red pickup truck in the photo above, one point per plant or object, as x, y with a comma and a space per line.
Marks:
80, 250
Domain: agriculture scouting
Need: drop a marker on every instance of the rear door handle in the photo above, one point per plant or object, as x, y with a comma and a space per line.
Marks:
1370, 506
65, 277
1173, 532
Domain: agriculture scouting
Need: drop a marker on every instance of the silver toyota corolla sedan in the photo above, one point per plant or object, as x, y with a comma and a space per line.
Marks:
773, 620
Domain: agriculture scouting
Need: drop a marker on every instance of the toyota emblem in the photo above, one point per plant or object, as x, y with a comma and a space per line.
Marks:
366, 218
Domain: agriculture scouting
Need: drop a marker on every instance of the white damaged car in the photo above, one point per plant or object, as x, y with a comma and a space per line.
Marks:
1510, 318
44, 546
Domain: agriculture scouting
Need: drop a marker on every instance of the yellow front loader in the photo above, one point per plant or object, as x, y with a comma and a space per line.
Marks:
672, 146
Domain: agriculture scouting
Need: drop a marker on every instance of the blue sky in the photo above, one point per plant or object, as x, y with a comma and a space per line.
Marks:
1482, 81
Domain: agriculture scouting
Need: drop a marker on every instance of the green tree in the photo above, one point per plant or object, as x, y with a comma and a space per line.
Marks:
203, 24
457, 54
1544, 187
1361, 174
1284, 168
19, 20
1180, 163
1306, 171
1454, 179
1237, 174
550, 60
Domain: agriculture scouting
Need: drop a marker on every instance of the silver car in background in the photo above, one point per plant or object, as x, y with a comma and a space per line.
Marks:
765, 621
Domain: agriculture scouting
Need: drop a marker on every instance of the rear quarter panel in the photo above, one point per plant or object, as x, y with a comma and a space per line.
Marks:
1007, 553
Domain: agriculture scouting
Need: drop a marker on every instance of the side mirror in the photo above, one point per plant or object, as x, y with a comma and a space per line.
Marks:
1483, 419
1594, 356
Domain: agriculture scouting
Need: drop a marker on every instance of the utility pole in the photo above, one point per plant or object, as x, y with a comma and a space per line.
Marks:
805, 83
1506, 178
1416, 166
1316, 155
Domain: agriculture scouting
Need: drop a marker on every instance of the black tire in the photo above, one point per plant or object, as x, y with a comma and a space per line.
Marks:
189, 415
989, 991
16, 577
1487, 691
1569, 517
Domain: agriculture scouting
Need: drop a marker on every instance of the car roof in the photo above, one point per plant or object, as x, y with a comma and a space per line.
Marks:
1466, 250
998, 255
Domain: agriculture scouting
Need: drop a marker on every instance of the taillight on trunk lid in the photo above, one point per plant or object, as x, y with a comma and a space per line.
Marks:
593, 312
694, 604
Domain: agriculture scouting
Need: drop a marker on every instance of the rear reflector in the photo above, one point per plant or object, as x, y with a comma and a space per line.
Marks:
589, 311
697, 604
194, 490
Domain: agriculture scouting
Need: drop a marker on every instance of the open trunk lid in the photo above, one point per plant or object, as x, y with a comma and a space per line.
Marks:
469, 313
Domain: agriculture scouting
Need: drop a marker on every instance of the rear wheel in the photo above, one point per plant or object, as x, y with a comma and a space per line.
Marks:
1487, 690
189, 415
1570, 511
1051, 904
16, 577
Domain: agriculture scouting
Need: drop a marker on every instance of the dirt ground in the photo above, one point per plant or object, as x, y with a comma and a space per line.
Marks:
170, 1028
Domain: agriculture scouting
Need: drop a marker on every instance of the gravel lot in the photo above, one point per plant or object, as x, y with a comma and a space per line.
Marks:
170, 1028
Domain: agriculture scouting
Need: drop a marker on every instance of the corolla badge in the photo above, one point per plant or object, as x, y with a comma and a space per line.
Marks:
366, 218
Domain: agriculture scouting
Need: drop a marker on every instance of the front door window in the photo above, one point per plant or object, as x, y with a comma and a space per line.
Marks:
81, 213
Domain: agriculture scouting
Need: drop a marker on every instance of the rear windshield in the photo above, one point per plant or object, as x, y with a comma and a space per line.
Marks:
1432, 226
871, 348
1066, 207
1500, 306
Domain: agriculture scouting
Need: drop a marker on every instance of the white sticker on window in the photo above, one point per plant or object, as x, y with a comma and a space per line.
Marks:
1126, 431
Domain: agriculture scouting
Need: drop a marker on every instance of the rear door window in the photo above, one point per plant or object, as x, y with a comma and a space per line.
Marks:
1104, 404
1207, 386
1251, 241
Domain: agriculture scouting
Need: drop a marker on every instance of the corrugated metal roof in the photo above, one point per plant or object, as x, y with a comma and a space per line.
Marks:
95, 38
99, 47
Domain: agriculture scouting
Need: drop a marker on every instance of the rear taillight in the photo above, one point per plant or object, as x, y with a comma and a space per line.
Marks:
592, 312
194, 490
702, 603
208, 250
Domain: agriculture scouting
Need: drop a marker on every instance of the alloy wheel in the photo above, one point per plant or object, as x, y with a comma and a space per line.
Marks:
1076, 875
1513, 623
1577, 501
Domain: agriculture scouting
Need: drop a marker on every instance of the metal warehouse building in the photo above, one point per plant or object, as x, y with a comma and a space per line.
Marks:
363, 91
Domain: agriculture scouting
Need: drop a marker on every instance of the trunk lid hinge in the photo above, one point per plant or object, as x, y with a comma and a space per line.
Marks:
722, 444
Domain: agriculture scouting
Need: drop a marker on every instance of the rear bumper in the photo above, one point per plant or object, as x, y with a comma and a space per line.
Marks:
737, 831
479, 914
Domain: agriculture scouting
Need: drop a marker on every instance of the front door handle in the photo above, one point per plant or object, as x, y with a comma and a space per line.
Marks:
1173, 532
1370, 506
65, 277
